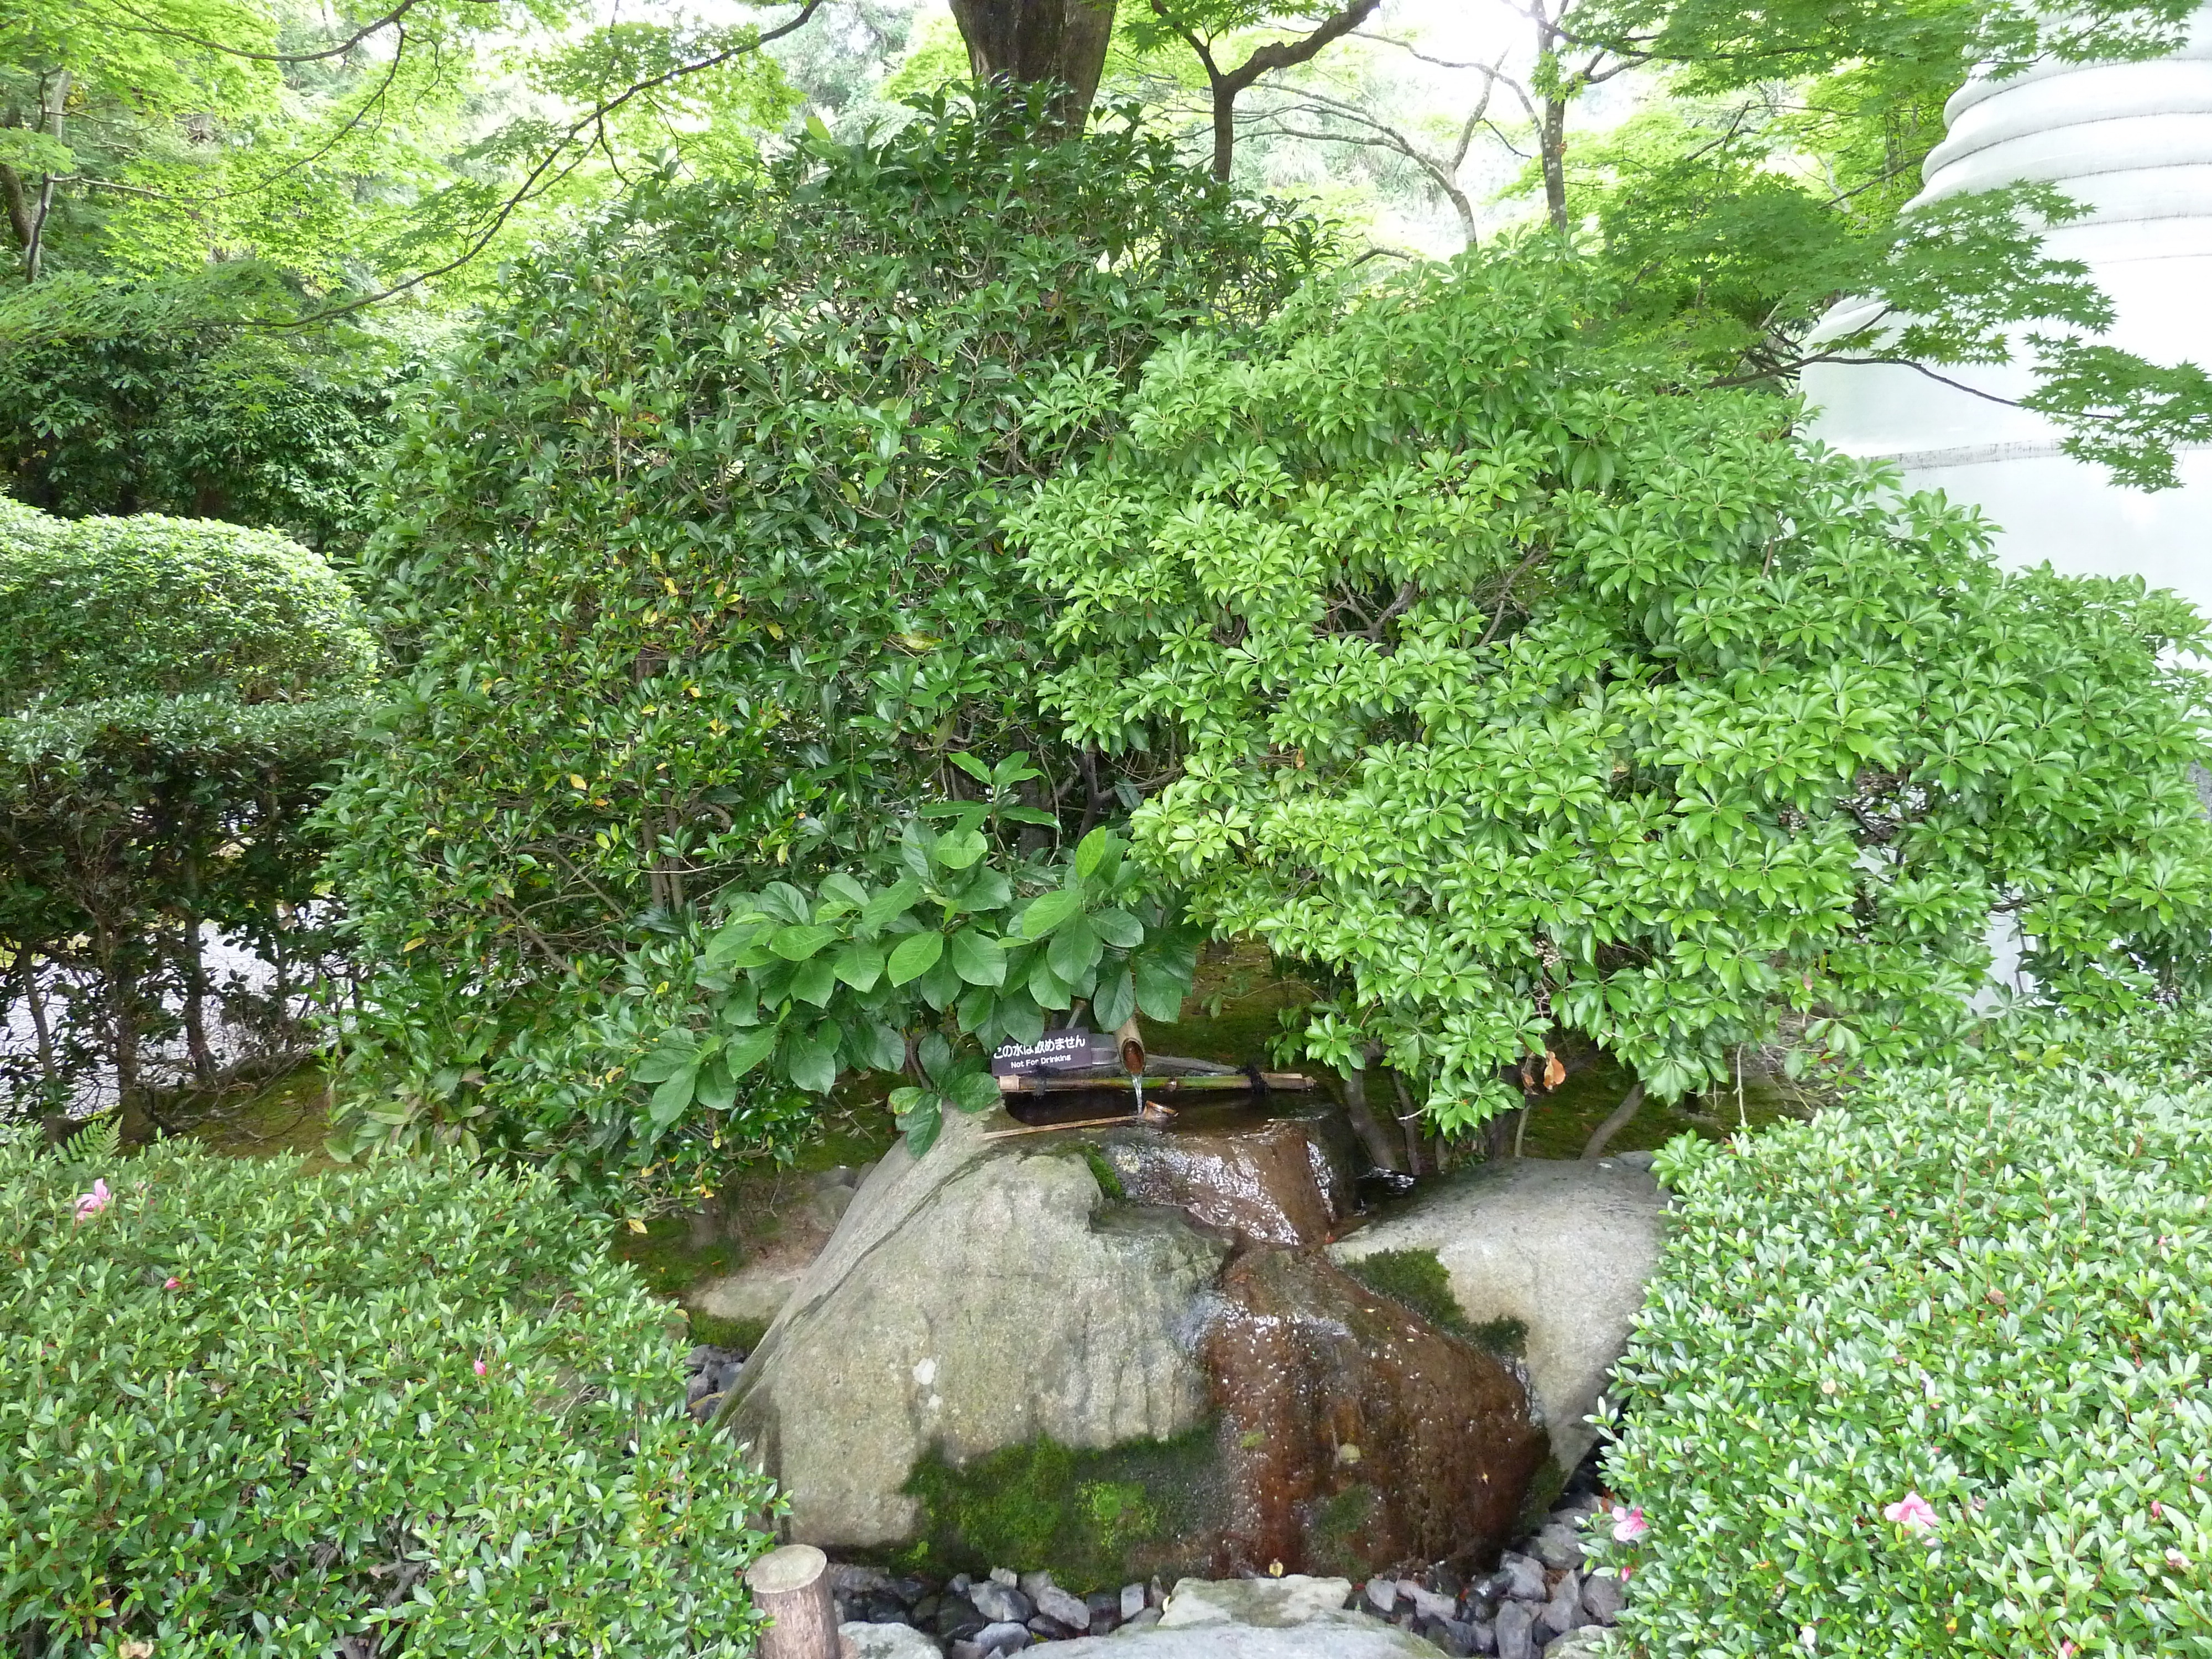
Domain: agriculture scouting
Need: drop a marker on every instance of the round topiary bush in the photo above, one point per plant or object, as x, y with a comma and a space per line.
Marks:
403, 1409
98, 608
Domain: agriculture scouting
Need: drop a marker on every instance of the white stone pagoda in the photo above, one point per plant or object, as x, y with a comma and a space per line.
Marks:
2132, 142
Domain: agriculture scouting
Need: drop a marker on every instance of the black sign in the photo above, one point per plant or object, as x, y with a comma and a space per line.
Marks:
1056, 1051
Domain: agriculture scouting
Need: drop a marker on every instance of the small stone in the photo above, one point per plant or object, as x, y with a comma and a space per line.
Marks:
1524, 1578
1051, 1630
1564, 1610
1156, 1594
699, 1356
1603, 1597
1132, 1600
1381, 1596
1002, 1604
1003, 1636
703, 1409
1145, 1618
1558, 1546
1425, 1602
1056, 1604
957, 1617
882, 1608
908, 1590
698, 1388
1515, 1630
963, 1650
924, 1611
959, 1584
1007, 1577
1456, 1637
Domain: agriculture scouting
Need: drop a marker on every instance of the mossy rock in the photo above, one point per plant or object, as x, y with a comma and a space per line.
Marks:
1420, 1280
1094, 1519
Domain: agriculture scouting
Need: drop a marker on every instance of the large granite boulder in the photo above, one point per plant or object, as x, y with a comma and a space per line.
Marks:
1289, 1618
1122, 1351
1551, 1256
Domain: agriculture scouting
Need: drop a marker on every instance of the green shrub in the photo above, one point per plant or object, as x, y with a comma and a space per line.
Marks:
694, 561
174, 698
1512, 685
1993, 1292
93, 608
243, 1413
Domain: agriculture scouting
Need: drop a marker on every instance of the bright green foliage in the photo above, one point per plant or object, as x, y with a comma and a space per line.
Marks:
1990, 1292
696, 557
244, 1414
174, 696
853, 980
99, 608
1512, 688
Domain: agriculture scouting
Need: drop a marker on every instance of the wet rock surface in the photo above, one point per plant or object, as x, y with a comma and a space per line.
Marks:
1158, 1296
1559, 1249
1355, 1431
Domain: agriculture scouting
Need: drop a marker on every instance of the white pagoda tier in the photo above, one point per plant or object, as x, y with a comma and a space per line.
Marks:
2132, 142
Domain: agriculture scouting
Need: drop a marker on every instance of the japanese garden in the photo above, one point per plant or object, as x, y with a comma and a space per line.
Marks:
904, 828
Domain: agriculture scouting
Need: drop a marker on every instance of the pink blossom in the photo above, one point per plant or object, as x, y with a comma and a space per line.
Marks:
173, 1284
92, 1203
1630, 1526
2065, 1650
1624, 1571
2157, 1511
1912, 1510
480, 1368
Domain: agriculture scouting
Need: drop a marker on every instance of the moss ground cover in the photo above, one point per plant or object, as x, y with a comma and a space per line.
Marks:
1926, 1374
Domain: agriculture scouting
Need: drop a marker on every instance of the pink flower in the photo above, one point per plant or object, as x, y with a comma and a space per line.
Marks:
92, 1203
1624, 1571
2157, 1512
1912, 1510
2065, 1650
480, 1368
173, 1284
1631, 1526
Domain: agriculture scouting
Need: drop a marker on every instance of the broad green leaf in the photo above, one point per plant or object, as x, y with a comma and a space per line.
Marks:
968, 763
936, 1056
840, 894
979, 959
1091, 851
811, 1063
816, 982
894, 900
1047, 988
749, 1050
974, 1092
959, 848
798, 944
717, 1088
1160, 988
915, 955
1118, 928
673, 1096
940, 987
661, 1064
1075, 950
860, 963
1116, 1000
920, 1120
1049, 911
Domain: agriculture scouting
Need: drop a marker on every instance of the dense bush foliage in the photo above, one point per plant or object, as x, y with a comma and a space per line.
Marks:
1514, 688
174, 697
695, 554
124, 397
250, 1410
1989, 1292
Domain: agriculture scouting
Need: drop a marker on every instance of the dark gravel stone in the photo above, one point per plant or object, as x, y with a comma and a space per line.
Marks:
1002, 1604
1602, 1598
1003, 1636
1045, 1627
1524, 1578
1516, 1623
957, 1617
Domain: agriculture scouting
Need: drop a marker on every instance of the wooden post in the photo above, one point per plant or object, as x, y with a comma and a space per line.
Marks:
791, 1585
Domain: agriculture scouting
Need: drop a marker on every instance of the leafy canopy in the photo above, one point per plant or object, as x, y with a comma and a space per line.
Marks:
1512, 687
697, 561
245, 1403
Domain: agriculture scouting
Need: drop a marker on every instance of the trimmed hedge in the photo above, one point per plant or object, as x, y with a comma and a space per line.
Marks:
247, 1410
97, 608
1990, 1292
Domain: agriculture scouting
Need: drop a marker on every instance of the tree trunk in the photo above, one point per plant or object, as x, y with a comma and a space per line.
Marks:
51, 121
1022, 42
196, 1039
1225, 127
1554, 151
791, 1587
1630, 1103
1369, 1131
